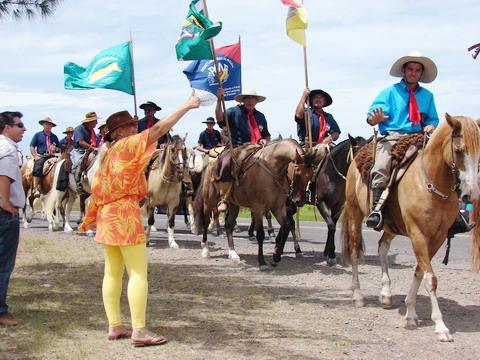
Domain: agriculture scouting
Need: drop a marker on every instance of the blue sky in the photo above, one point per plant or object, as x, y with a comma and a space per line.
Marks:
351, 47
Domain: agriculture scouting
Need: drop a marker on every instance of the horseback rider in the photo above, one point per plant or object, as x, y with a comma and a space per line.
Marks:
102, 131
84, 138
68, 139
150, 108
247, 125
325, 129
401, 109
43, 146
209, 138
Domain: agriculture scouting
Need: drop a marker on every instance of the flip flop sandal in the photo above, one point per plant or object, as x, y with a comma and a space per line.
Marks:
151, 341
126, 334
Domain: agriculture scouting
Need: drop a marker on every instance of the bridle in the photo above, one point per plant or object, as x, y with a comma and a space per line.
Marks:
453, 169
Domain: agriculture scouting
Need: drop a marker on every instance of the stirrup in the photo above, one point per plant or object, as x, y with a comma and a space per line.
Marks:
375, 220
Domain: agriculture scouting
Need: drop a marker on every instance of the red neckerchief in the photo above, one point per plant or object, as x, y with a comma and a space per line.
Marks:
149, 123
413, 112
322, 128
255, 134
48, 140
93, 138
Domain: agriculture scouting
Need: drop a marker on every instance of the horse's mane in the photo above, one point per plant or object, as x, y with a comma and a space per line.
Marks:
469, 131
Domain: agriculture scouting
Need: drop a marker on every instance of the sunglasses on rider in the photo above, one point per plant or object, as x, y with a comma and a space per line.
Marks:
20, 125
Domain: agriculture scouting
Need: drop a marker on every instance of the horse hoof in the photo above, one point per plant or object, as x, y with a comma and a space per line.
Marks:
299, 255
50, 228
331, 262
444, 336
205, 253
90, 233
274, 263
237, 229
252, 239
173, 245
386, 300
410, 323
153, 228
26, 225
263, 268
232, 255
68, 231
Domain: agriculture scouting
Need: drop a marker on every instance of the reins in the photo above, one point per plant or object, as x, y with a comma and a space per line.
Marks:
453, 168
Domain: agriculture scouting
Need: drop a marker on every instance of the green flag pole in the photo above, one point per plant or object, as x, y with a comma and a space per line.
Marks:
217, 74
133, 75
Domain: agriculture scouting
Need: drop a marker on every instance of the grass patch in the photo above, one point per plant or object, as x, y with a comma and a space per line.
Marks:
307, 213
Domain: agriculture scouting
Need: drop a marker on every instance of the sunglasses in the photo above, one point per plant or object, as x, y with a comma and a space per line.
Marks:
20, 125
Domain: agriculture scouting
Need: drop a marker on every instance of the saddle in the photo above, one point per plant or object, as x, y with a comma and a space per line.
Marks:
404, 151
216, 151
48, 165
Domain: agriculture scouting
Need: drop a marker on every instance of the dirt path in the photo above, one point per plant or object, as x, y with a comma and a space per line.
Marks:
213, 309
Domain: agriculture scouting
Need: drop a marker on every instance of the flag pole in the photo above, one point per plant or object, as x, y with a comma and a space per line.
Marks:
308, 120
133, 75
217, 74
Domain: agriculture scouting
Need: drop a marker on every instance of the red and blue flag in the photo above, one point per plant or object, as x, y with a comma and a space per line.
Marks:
202, 74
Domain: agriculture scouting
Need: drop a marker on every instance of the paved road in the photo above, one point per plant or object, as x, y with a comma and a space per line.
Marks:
313, 239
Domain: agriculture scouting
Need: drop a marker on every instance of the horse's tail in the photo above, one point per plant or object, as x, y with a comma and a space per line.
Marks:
476, 236
346, 250
352, 239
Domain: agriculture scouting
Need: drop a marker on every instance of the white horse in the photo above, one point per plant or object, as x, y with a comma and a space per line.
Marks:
57, 202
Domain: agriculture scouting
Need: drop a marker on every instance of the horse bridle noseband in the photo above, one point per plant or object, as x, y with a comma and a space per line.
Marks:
453, 169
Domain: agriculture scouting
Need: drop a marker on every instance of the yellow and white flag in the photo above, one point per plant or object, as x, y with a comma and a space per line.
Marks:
296, 21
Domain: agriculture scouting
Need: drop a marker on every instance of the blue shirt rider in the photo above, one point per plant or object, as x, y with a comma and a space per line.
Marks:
209, 138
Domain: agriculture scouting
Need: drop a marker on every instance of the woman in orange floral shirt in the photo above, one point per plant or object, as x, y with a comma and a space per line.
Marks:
117, 189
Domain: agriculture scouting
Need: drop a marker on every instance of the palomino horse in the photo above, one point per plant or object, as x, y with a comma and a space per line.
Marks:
165, 186
422, 206
262, 186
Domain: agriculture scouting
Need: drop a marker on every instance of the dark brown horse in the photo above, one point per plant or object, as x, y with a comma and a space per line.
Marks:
422, 206
262, 186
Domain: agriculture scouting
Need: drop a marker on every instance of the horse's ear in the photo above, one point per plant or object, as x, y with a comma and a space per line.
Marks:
478, 122
298, 157
454, 123
352, 140
185, 137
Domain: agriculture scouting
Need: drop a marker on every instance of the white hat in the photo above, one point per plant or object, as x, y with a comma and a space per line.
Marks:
249, 92
102, 123
429, 67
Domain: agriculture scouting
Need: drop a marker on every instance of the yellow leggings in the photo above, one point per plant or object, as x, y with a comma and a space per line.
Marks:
134, 258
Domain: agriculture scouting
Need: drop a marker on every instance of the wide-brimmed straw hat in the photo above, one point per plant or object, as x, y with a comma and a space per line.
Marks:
118, 120
328, 98
90, 116
69, 130
429, 67
249, 92
150, 104
210, 120
47, 120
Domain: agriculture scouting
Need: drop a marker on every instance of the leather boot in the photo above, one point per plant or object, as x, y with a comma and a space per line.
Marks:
225, 187
375, 218
36, 191
78, 180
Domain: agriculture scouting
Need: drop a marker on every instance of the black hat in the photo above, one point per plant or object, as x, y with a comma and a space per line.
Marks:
210, 120
150, 104
328, 98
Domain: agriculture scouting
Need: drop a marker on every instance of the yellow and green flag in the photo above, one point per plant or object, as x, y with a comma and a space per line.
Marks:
109, 69
296, 21
193, 42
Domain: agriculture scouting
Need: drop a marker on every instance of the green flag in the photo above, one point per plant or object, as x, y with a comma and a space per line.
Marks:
109, 69
197, 29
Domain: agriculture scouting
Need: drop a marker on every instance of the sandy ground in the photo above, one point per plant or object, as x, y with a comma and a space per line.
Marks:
215, 309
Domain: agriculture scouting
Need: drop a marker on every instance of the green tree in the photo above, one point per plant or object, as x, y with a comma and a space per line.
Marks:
19, 9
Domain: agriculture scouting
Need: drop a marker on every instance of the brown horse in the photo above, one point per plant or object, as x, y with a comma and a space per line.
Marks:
262, 186
421, 206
